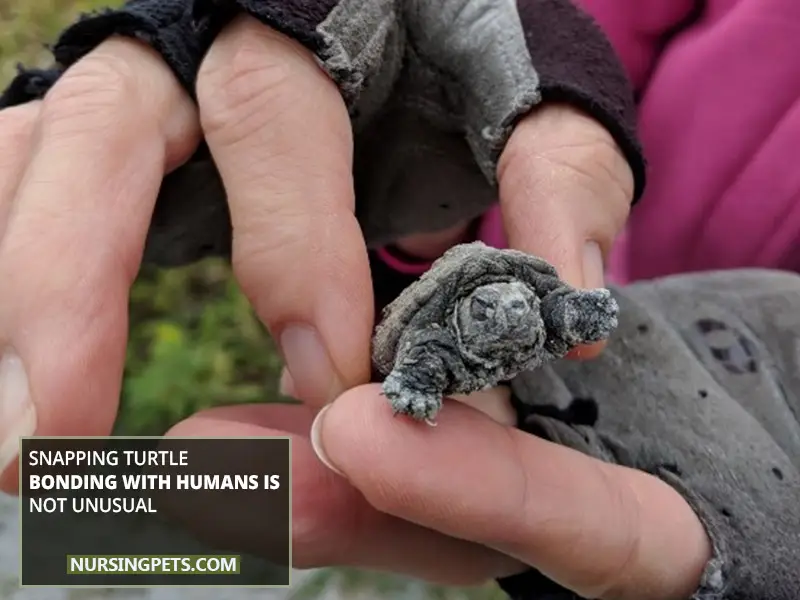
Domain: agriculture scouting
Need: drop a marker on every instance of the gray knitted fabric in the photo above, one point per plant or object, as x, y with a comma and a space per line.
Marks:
700, 386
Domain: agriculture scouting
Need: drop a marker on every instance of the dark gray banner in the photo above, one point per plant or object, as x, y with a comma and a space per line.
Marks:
155, 512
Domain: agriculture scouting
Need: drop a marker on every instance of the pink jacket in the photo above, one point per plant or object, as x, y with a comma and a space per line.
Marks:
719, 116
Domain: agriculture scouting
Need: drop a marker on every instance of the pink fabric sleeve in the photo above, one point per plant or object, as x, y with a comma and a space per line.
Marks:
637, 28
402, 265
490, 232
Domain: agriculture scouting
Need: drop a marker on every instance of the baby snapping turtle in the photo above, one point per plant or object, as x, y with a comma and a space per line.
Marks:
477, 318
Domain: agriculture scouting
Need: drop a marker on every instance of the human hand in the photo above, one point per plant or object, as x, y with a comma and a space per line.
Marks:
80, 175
472, 500
600, 530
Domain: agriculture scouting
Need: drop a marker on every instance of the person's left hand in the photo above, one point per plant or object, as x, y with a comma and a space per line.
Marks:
600, 530
471, 500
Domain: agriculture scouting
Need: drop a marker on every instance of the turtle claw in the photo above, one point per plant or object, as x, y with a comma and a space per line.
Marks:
419, 407
406, 400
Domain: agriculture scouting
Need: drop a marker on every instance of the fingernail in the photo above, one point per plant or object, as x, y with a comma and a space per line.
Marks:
313, 377
593, 268
17, 413
286, 385
316, 441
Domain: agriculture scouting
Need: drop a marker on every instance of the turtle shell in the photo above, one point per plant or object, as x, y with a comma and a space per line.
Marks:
431, 300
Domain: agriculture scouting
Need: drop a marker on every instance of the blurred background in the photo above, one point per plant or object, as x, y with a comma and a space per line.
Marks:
194, 343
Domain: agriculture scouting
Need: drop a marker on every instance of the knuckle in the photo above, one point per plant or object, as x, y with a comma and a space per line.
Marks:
605, 174
239, 91
597, 167
101, 93
624, 558
598, 161
95, 88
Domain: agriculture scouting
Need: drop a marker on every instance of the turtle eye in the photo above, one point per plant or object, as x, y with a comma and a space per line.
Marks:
516, 310
482, 309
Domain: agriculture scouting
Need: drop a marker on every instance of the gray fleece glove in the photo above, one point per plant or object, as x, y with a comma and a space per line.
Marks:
700, 386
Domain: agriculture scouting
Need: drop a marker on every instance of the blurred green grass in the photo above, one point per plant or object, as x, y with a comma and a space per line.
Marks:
26, 25
194, 341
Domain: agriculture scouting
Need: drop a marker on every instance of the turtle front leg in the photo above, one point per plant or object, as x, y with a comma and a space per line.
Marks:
574, 317
408, 399
420, 376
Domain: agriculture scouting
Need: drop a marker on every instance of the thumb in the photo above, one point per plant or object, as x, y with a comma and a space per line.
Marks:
565, 192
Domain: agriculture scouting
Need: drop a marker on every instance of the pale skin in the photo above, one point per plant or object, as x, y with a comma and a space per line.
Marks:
71, 241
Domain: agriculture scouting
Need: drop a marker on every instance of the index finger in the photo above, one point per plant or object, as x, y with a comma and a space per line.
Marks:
281, 137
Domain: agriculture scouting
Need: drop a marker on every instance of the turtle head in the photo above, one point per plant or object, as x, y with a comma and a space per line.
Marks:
500, 318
